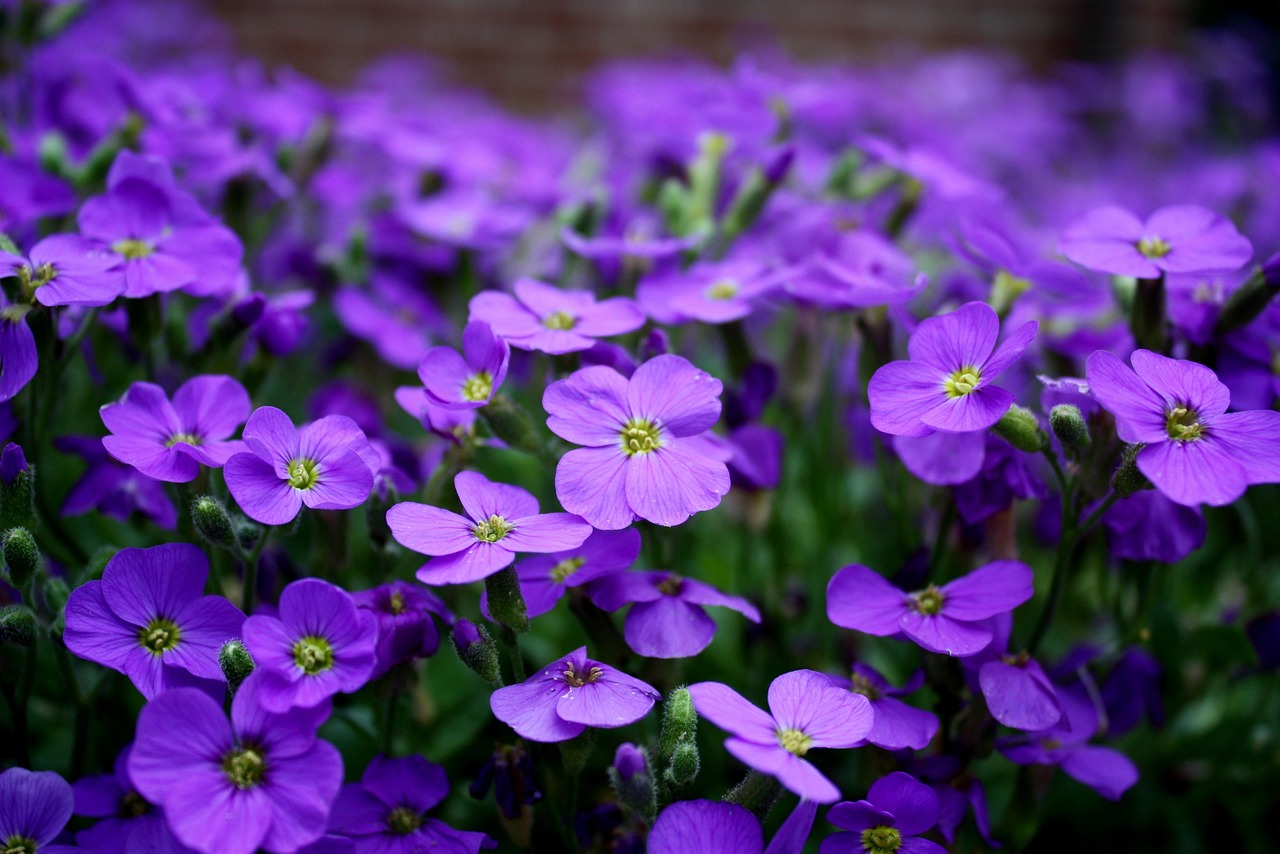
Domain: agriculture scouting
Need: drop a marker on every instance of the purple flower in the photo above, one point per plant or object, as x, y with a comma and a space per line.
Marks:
30, 194
112, 488
392, 315
640, 460
385, 813
716, 827
946, 385
501, 520
169, 441
1177, 239
259, 780
943, 619
898, 808
545, 318
13, 462
545, 579
568, 696
1018, 693
510, 770
859, 270
34, 807
1148, 526
148, 618
406, 630
467, 381
666, 620
806, 710
18, 359
126, 820
1195, 452
65, 270
897, 725
319, 645
325, 465
711, 292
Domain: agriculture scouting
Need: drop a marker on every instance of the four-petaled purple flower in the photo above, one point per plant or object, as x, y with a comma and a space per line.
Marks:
406, 630
501, 520
65, 270
34, 807
806, 710
466, 381
544, 579
569, 695
545, 318
717, 827
126, 821
1176, 239
897, 725
897, 809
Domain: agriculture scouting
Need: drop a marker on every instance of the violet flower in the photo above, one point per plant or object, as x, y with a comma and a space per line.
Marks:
406, 630
260, 780
18, 359
126, 821
1195, 452
666, 620
717, 827
897, 725
1017, 691
806, 710
169, 441
640, 460
393, 315
319, 645
1176, 239
946, 384
569, 695
65, 270
325, 465
943, 619
544, 579
898, 808
470, 380
710, 292
34, 807
501, 520
550, 320
112, 488
148, 618
1149, 526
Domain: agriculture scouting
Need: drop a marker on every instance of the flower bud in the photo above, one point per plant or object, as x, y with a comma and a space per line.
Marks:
56, 592
1128, 478
1071, 429
685, 764
17, 489
18, 625
632, 780
13, 462
506, 602
1020, 428
212, 522
22, 556
1251, 298
477, 650
679, 722
510, 423
236, 664
576, 751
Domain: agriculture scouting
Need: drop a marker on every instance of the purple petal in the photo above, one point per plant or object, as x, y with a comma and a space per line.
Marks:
94, 632
1108, 772
484, 351
962, 339
430, 530
142, 584
669, 485
205, 810
34, 804
939, 633
898, 725
1200, 240
206, 624
18, 358
796, 774
589, 407
1197, 472
480, 560
342, 482
977, 410
989, 590
1017, 698
530, 709
482, 498
668, 628
548, 532
791, 836
920, 845
699, 593
1010, 351
1106, 239
705, 827
730, 711
671, 391
913, 804
860, 598
411, 780
943, 459
301, 790
329, 437
1252, 438
857, 816
592, 483
259, 491
134, 209
901, 393
1139, 411
143, 412
613, 701
1182, 383
271, 435
808, 701
444, 373
212, 405
622, 588
159, 758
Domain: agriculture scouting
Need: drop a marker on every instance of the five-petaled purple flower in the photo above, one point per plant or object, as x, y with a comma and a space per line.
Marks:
1195, 451
569, 695
501, 520
65, 270
898, 808
640, 460
947, 383
1176, 239
466, 381
34, 807
545, 318
148, 618
806, 710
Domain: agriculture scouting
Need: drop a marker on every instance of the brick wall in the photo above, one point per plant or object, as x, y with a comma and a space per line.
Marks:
531, 53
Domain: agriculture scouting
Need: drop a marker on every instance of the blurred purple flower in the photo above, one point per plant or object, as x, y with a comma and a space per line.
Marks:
545, 579
112, 488
551, 320
1177, 239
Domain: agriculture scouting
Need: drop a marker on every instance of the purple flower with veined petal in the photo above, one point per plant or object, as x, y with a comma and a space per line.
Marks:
898, 808
319, 645
18, 359
34, 807
503, 520
406, 630
148, 618
126, 821
806, 710
112, 488
897, 725
550, 320
717, 827
640, 460
260, 780
943, 619
666, 620
325, 465
545, 579
946, 384
569, 695
470, 380
385, 813
170, 441
1195, 451
1176, 239
65, 269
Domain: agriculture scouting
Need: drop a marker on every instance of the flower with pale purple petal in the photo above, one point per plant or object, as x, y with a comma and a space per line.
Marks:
319, 645
947, 383
148, 618
898, 808
544, 579
326, 465
65, 269
393, 315
640, 458
666, 619
897, 725
34, 807
710, 292
806, 710
1175, 239
1149, 526
466, 381
946, 619
550, 320
501, 520
569, 695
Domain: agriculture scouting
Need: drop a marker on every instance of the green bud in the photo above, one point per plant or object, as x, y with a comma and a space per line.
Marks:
506, 602
576, 751
236, 664
1020, 428
97, 563
247, 533
22, 556
475, 647
1128, 478
684, 766
213, 522
1071, 429
510, 423
679, 722
17, 499
18, 625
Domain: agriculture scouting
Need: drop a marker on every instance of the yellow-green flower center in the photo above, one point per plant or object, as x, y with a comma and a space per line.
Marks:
403, 820
881, 840
723, 289
794, 741
1153, 247
245, 767
640, 436
19, 845
160, 635
185, 438
576, 680
559, 320
862, 685
492, 529
478, 387
928, 601
303, 473
38, 278
1183, 424
566, 568
671, 586
313, 654
132, 249
395, 602
962, 382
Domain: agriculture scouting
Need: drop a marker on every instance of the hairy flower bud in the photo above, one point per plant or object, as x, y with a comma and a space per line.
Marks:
18, 625
1070, 428
22, 556
506, 602
684, 766
679, 722
1020, 428
632, 780
477, 650
17, 489
512, 424
236, 664
212, 522
1128, 478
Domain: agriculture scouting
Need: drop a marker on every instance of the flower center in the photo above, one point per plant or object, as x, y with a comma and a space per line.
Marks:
38, 278
132, 249
962, 382
794, 741
723, 289
1183, 424
492, 529
928, 601
402, 821
1153, 247
573, 680
881, 840
303, 473
245, 767
566, 568
862, 685
19, 845
313, 654
160, 635
640, 436
671, 585
395, 602
478, 387
559, 320
133, 805
185, 438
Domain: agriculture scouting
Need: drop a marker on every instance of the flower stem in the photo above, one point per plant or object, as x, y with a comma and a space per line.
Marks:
757, 792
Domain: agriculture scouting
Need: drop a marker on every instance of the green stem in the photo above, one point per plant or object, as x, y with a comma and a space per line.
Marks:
389, 723
79, 741
251, 571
